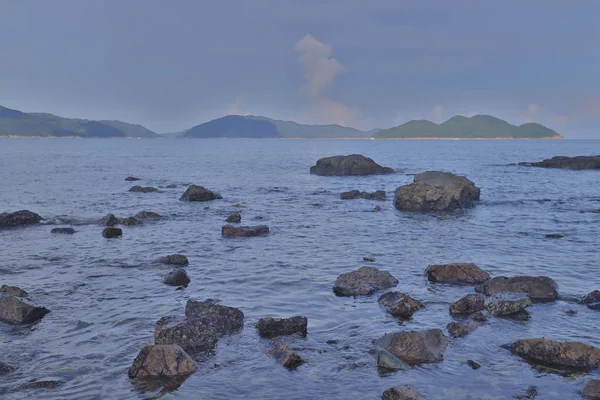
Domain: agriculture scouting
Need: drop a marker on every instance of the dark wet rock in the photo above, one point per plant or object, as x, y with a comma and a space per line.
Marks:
110, 232
286, 356
505, 305
66, 231
38, 385
571, 312
403, 392
20, 310
272, 327
5, 369
460, 329
223, 318
354, 164
177, 277
575, 355
108, 220
173, 259
234, 218
199, 193
377, 208
469, 304
132, 178
193, 335
591, 391
162, 360
143, 189
147, 215
332, 341
592, 300
131, 221
259, 218
473, 364
13, 291
368, 259
530, 392
416, 347
19, 218
357, 194
399, 304
171, 186
460, 273
436, 191
244, 231
479, 317
364, 281
554, 236
538, 288
238, 205
579, 162
388, 361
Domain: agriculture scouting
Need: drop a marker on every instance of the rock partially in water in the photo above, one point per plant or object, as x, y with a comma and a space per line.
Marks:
111, 232
417, 347
351, 165
19, 218
132, 178
457, 273
578, 163
66, 231
193, 335
403, 392
178, 277
399, 304
502, 305
570, 355
244, 231
108, 220
286, 356
592, 300
460, 329
5, 369
273, 327
171, 186
223, 318
143, 189
364, 281
479, 317
530, 392
234, 218
554, 236
162, 361
538, 288
131, 221
13, 291
436, 191
368, 259
147, 215
390, 362
591, 391
473, 364
377, 208
469, 304
173, 259
20, 310
199, 193
38, 385
357, 194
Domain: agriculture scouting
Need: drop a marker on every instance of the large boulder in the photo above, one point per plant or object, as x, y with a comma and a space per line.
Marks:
436, 191
571, 355
19, 218
458, 273
177, 277
579, 162
234, 218
592, 300
162, 361
469, 304
364, 281
286, 356
591, 391
399, 304
244, 231
354, 164
108, 220
357, 194
416, 347
143, 189
147, 215
20, 310
110, 232
199, 193
223, 318
503, 305
193, 335
273, 327
538, 288
173, 259
403, 392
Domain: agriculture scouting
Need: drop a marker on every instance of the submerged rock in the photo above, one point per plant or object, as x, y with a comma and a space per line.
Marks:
162, 360
354, 164
554, 236
171, 186
417, 347
436, 191
234, 218
368, 259
193, 335
13, 291
579, 162
473, 364
460, 329
108, 220
244, 231
223, 318
574, 355
272, 327
147, 215
461, 273
131, 221
538, 288
67, 231
132, 178
19, 218
479, 317
591, 391
177, 277
357, 194
173, 259
286, 356
364, 281
38, 385
530, 392
399, 304
5, 369
143, 189
388, 361
199, 193
20, 310
111, 233
469, 304
592, 300
403, 392
508, 306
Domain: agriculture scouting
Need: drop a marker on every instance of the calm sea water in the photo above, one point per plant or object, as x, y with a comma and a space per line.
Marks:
106, 295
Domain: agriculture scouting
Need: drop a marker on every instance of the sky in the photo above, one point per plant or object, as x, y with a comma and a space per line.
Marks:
170, 65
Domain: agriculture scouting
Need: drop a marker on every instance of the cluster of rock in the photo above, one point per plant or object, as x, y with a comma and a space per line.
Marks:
244, 231
178, 276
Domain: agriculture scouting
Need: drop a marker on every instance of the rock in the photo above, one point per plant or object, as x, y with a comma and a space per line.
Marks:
131, 221
473, 364
234, 218
177, 277
538, 288
286, 356
162, 361
110, 232
501, 305
579, 162
224, 319
479, 317
462, 273
592, 300
399, 304
108, 220
354, 164
5, 369
173, 259
469, 304
357, 194
143, 189
388, 361
530, 392
460, 329
436, 191
575, 355
364, 281
417, 347
13, 291
19, 218
193, 335
132, 178
67, 231
591, 391
377, 208
238, 205
199, 193
171, 186
38, 385
403, 392
147, 215
368, 259
244, 231
20, 310
272, 327
554, 236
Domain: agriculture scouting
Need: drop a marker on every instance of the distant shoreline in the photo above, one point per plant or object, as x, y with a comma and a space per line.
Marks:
298, 138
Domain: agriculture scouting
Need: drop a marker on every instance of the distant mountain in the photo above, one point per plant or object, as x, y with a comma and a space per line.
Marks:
17, 123
460, 127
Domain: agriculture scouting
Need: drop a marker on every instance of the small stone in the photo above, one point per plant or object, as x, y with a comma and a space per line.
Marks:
460, 329
173, 259
459, 273
403, 392
399, 304
5, 369
244, 231
473, 364
177, 277
272, 327
505, 305
67, 231
479, 317
171, 186
377, 208
469, 304
234, 218
592, 300
238, 205
286, 356
416, 347
110, 232
131, 221
368, 259
147, 215
363, 281
530, 392
38, 385
143, 189
162, 360
132, 178
108, 220
554, 236
199, 193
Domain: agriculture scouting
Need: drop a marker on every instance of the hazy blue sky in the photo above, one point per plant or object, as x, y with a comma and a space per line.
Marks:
170, 65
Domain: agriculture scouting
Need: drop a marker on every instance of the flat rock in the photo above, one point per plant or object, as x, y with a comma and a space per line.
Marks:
591, 391
177, 277
13, 291
19, 218
573, 355
416, 347
193, 335
286, 356
357, 194
5, 369
469, 304
351, 165
143, 189
111, 232
244, 231
592, 300
234, 218
364, 281
173, 259
66, 231
162, 361
538, 288
460, 329
20, 310
272, 327
199, 193
147, 215
578, 163
505, 305
223, 318
132, 178
399, 304
554, 236
131, 221
457, 273
108, 220
403, 392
